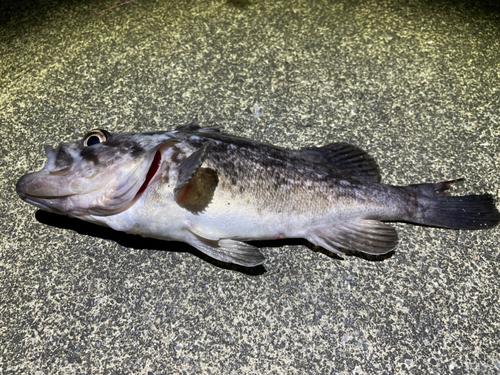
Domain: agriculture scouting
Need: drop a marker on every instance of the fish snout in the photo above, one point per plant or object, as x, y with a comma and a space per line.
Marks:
22, 186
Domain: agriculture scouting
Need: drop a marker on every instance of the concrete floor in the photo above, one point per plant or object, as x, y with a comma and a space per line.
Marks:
417, 84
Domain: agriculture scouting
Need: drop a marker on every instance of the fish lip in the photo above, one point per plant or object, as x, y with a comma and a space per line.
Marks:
37, 204
33, 201
25, 180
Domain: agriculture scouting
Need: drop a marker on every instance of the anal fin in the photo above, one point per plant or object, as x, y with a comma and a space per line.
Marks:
366, 236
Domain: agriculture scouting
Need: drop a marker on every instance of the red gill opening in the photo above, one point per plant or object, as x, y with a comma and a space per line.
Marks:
152, 171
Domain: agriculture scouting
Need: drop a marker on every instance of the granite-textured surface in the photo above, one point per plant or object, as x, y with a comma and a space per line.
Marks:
415, 83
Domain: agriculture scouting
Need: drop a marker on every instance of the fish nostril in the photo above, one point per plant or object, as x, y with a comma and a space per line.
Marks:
51, 154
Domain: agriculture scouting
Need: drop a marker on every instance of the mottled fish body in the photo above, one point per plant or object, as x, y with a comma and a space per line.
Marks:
215, 191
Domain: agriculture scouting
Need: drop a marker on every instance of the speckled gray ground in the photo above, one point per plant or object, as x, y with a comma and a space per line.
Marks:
415, 83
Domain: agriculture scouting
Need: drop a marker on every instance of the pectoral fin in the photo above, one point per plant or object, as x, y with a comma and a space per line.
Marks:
195, 186
229, 251
366, 236
189, 167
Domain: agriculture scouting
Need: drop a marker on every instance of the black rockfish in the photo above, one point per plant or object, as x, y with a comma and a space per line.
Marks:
214, 191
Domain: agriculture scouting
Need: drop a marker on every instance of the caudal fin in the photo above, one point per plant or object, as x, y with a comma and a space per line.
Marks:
437, 208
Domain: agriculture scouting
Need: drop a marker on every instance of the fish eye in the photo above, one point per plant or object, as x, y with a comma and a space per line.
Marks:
95, 136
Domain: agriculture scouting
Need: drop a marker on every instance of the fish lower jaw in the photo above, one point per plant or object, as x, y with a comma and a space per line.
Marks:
43, 206
36, 204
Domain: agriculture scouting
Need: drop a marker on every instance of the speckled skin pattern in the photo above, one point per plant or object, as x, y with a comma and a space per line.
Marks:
414, 84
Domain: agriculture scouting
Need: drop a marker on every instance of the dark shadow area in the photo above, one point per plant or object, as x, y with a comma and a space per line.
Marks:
143, 243
349, 253
242, 4
33, 11
25, 14
137, 242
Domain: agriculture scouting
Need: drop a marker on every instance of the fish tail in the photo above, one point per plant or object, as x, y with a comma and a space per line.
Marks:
437, 208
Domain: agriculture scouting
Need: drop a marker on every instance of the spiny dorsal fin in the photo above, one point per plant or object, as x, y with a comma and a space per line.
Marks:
346, 157
367, 236
195, 187
194, 127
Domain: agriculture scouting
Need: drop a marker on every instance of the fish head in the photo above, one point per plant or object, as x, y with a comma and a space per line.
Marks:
101, 174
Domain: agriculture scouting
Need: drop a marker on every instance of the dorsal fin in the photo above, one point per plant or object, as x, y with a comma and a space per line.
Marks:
346, 157
195, 186
194, 127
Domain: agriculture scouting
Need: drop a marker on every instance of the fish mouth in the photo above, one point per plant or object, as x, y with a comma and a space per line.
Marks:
106, 192
37, 188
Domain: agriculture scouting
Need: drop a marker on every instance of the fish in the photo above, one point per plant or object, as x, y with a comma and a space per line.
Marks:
217, 191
